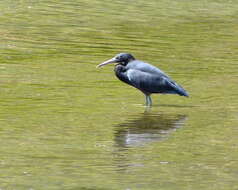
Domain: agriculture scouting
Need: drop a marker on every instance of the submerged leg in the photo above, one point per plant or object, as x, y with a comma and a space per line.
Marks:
148, 100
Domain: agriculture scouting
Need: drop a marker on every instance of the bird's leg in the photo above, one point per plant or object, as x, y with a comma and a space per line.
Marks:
148, 100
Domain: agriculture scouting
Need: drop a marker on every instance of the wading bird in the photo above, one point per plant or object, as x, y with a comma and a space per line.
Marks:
143, 76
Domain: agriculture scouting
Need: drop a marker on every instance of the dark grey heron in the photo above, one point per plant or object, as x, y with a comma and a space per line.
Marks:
143, 76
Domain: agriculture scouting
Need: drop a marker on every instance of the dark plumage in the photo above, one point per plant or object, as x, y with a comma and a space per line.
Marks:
143, 76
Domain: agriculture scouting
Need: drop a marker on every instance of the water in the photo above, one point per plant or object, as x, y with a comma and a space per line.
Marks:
67, 125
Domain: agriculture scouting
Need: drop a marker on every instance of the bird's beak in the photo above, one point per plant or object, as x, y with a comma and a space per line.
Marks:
113, 60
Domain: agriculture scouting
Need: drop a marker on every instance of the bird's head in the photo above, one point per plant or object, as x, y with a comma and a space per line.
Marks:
121, 58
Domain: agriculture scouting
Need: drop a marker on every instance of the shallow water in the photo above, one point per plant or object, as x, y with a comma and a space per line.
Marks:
67, 125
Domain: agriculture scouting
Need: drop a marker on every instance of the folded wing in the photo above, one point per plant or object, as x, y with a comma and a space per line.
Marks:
154, 82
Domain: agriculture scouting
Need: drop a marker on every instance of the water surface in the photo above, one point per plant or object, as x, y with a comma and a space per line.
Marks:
67, 125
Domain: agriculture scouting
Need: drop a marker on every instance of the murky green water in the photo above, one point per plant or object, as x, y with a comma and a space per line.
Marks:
67, 125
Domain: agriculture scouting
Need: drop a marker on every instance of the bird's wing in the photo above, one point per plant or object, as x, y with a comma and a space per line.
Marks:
154, 83
145, 67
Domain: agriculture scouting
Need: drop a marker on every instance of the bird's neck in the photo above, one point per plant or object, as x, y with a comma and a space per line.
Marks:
120, 72
119, 69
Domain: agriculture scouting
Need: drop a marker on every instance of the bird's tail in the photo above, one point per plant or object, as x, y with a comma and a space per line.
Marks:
178, 89
181, 91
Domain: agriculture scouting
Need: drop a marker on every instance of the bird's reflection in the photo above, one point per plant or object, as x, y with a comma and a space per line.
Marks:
145, 128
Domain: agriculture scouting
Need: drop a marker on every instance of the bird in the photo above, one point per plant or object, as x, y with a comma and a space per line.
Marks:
143, 76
